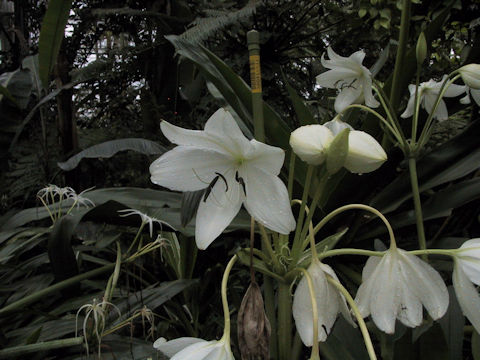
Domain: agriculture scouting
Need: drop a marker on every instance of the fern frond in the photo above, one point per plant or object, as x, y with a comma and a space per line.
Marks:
217, 20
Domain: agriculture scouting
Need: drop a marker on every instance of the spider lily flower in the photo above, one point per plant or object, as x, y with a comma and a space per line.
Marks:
311, 144
396, 286
329, 303
49, 193
187, 348
428, 92
349, 76
145, 219
233, 171
466, 273
471, 75
80, 200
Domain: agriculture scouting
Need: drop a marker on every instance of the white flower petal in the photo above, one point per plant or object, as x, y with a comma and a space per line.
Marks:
410, 106
384, 309
410, 311
358, 56
197, 351
467, 296
426, 283
265, 157
217, 211
267, 201
367, 92
336, 126
170, 348
365, 154
328, 79
364, 294
347, 97
188, 169
310, 143
471, 75
454, 90
469, 259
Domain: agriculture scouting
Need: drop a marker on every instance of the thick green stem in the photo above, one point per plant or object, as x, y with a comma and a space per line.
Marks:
269, 294
38, 347
422, 243
401, 50
284, 321
226, 311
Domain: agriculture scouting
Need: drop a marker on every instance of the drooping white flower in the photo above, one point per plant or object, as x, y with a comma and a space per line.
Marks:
349, 76
311, 144
396, 286
188, 348
329, 303
471, 75
232, 169
466, 272
428, 92
145, 219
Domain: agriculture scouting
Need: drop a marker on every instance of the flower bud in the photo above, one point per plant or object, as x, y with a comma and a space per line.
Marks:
471, 75
365, 154
310, 143
421, 49
253, 326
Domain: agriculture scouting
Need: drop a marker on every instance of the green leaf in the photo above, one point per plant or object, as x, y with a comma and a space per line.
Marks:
17, 87
475, 345
51, 36
452, 326
109, 148
450, 161
304, 116
337, 152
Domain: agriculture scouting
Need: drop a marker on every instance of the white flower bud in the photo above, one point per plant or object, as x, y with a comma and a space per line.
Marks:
471, 75
365, 154
311, 142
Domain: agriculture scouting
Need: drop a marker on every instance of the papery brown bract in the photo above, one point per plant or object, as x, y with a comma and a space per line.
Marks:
253, 326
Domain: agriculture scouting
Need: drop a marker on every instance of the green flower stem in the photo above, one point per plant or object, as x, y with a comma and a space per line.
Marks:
424, 136
38, 347
226, 310
346, 251
422, 243
444, 252
48, 209
269, 294
291, 173
315, 355
296, 346
416, 107
361, 323
284, 321
297, 241
389, 126
267, 246
401, 50
136, 237
112, 281
341, 209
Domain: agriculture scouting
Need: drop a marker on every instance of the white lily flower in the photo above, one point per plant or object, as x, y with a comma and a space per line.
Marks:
188, 348
329, 303
49, 192
80, 200
310, 143
428, 92
471, 75
466, 273
232, 169
395, 286
145, 219
349, 76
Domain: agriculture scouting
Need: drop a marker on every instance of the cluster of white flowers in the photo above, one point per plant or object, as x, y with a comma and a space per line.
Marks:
234, 171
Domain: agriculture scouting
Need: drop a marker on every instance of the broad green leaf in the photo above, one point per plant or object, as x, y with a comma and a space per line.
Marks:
16, 86
452, 326
110, 148
51, 36
304, 116
450, 161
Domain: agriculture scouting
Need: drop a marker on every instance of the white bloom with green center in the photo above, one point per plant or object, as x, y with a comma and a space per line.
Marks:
466, 273
188, 348
329, 303
396, 286
232, 169
349, 76
428, 93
